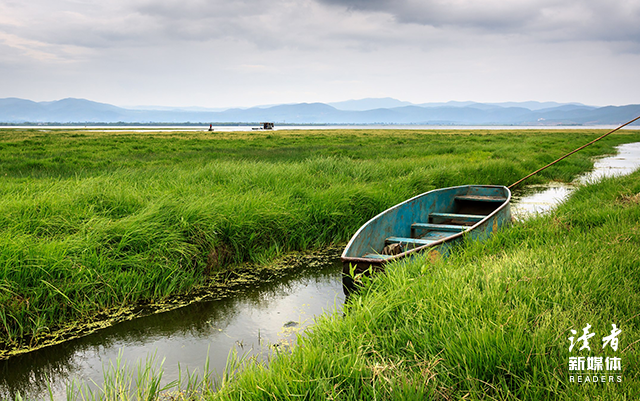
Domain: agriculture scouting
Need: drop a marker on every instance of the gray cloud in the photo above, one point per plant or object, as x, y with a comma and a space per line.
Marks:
267, 51
267, 24
549, 19
194, 10
306, 24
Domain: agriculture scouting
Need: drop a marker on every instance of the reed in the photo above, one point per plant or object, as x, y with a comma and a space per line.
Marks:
92, 223
144, 381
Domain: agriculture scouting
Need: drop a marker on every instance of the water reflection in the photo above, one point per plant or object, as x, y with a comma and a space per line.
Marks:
183, 337
625, 162
536, 199
541, 198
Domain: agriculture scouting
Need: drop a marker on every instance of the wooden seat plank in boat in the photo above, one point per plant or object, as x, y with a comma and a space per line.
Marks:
439, 227
480, 198
435, 235
448, 218
403, 240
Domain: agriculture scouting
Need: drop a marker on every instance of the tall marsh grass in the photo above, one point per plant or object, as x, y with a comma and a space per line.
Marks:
91, 222
491, 322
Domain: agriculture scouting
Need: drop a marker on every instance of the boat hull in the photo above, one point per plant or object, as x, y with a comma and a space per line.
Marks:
431, 222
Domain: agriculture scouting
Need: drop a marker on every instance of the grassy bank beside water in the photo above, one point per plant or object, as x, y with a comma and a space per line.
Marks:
492, 322
91, 222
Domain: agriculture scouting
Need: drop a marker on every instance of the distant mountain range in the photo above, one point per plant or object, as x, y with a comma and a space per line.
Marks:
364, 111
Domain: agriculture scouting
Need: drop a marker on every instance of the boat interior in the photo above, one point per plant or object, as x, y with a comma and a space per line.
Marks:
466, 211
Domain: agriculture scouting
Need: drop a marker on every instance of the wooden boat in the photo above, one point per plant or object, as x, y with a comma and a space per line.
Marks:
433, 222
430, 222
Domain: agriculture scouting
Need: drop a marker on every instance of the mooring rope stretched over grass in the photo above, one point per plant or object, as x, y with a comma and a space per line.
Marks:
572, 152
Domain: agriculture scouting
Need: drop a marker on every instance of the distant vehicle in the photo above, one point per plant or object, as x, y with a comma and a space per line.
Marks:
265, 126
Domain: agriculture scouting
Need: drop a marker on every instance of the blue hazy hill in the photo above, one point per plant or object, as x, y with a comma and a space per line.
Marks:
14, 110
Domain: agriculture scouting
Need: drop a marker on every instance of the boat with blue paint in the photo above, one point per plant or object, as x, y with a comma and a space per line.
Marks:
430, 222
433, 222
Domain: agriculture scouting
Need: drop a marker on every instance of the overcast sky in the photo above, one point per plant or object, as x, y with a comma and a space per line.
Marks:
223, 53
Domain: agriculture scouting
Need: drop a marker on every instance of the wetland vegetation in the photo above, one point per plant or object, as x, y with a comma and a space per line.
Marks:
95, 222
491, 322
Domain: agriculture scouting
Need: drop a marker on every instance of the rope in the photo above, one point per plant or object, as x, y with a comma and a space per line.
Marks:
572, 152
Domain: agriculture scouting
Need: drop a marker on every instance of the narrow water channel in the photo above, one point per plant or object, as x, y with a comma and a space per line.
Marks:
256, 320
542, 198
253, 322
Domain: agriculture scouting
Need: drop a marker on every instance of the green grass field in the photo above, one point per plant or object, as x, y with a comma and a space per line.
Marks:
491, 322
91, 222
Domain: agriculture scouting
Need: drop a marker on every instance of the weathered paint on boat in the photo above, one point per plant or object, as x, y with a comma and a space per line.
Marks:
430, 222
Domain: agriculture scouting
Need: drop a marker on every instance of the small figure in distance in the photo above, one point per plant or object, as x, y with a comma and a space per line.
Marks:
210, 127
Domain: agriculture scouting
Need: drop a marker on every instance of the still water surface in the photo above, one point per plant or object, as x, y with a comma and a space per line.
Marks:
235, 128
541, 198
252, 322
